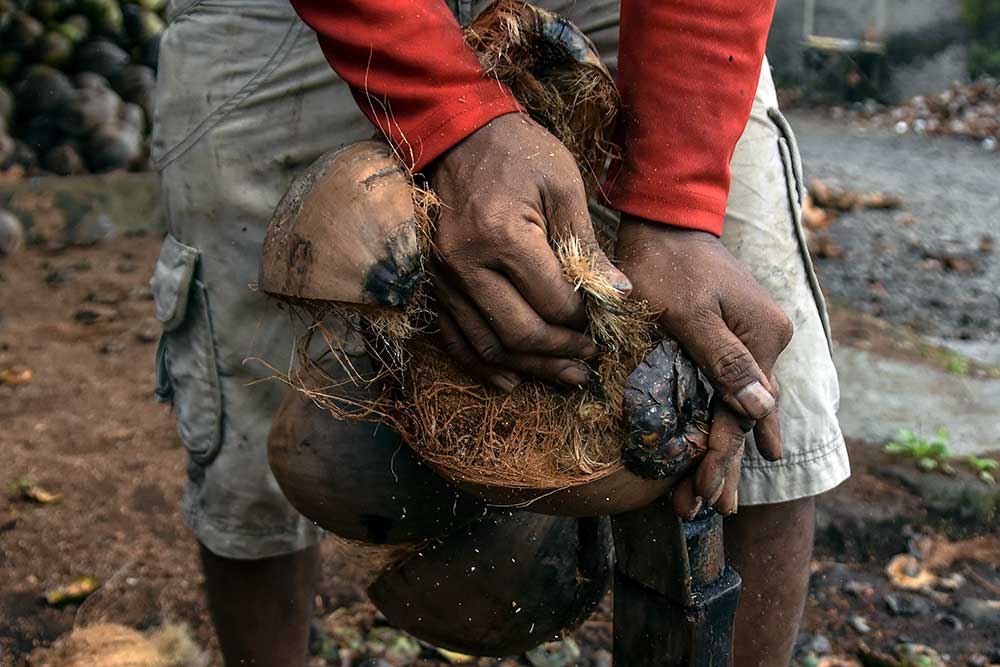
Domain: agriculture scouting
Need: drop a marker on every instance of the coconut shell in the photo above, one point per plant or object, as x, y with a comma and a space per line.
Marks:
501, 586
135, 84
54, 49
359, 482
345, 232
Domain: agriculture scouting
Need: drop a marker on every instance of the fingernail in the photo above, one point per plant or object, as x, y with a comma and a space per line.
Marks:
622, 284
693, 513
505, 383
589, 350
576, 374
755, 400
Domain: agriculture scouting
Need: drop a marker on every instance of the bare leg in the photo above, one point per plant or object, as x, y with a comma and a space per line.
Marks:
770, 546
262, 608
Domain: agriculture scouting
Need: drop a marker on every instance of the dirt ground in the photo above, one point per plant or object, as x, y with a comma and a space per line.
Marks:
85, 426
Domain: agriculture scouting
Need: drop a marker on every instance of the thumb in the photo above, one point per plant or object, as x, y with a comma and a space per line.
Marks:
730, 366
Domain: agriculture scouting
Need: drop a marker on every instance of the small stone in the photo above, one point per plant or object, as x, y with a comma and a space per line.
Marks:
860, 624
111, 347
978, 660
86, 316
989, 144
905, 606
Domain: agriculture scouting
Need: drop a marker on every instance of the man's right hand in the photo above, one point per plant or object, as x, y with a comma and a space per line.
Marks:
506, 310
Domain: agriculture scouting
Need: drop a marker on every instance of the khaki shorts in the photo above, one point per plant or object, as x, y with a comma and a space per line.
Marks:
245, 101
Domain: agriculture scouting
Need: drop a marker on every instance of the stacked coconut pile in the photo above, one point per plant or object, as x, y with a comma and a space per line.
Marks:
76, 82
965, 109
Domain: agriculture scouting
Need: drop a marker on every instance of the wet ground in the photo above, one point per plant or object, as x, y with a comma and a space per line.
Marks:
893, 265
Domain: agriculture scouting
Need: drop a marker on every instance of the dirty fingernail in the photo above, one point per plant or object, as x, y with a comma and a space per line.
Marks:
506, 383
693, 513
622, 284
755, 400
575, 375
589, 350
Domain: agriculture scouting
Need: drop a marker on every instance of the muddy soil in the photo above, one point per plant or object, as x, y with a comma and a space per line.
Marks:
895, 265
85, 426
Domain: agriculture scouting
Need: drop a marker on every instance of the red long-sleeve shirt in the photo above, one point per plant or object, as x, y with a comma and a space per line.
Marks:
687, 71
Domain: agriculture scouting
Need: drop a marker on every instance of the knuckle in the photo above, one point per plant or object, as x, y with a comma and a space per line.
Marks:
732, 365
489, 350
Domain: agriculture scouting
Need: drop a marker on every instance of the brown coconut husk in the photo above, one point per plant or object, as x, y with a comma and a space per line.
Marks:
110, 645
555, 73
538, 436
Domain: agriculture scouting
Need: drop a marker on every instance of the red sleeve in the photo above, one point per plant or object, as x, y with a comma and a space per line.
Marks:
687, 71
410, 70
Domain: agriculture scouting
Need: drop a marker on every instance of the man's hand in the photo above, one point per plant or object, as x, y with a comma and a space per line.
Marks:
731, 328
506, 310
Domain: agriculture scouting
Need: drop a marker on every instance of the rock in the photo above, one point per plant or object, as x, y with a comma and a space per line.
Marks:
982, 613
860, 624
961, 497
11, 234
906, 605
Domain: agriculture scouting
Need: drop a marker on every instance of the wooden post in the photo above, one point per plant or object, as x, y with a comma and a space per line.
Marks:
675, 599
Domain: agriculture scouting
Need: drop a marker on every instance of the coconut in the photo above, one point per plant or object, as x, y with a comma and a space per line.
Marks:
10, 65
501, 586
135, 84
75, 28
350, 236
91, 108
6, 104
22, 31
113, 146
101, 57
42, 133
64, 160
141, 24
43, 90
11, 233
360, 485
54, 49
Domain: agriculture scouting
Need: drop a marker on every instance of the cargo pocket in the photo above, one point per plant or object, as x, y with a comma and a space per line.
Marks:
792, 161
186, 372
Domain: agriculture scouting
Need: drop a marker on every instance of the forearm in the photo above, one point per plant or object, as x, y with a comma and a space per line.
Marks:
410, 70
688, 72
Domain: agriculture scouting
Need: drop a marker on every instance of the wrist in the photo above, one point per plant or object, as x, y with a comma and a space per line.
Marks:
635, 228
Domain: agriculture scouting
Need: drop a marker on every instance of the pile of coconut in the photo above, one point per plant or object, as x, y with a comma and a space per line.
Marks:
76, 83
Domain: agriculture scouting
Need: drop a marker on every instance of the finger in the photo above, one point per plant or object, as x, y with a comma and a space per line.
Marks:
515, 323
725, 441
729, 365
481, 347
728, 500
567, 216
683, 499
455, 345
537, 274
767, 431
